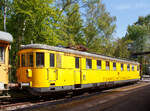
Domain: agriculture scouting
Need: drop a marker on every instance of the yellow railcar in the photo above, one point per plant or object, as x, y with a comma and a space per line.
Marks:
46, 69
5, 40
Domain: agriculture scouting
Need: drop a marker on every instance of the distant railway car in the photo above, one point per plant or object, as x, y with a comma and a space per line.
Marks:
5, 40
45, 69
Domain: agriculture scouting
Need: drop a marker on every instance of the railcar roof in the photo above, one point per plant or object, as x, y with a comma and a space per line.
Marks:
5, 36
66, 50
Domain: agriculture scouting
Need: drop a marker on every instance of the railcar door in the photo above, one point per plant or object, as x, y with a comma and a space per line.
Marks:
77, 73
3, 65
52, 71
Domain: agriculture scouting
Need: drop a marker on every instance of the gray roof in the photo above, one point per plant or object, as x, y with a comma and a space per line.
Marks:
5, 36
66, 50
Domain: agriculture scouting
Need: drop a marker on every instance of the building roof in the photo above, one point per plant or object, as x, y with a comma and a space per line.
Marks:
5, 36
60, 49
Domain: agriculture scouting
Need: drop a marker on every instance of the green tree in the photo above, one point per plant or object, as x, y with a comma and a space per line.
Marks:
99, 28
139, 36
139, 33
33, 20
71, 30
121, 48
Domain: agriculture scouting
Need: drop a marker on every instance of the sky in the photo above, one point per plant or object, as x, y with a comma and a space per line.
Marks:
126, 12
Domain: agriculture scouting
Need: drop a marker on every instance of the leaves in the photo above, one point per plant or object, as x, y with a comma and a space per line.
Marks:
99, 28
139, 34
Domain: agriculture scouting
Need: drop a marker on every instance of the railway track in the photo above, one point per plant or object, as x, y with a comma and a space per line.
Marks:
16, 104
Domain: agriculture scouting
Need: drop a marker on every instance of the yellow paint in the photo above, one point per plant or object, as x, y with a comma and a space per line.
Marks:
29, 73
4, 66
64, 72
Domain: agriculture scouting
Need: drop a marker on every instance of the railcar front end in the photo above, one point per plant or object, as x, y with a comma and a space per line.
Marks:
5, 40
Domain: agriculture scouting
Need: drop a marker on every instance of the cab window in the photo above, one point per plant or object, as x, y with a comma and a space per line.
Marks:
23, 60
138, 67
77, 62
132, 67
114, 66
2, 54
18, 61
88, 63
52, 60
128, 67
30, 59
39, 59
121, 67
107, 65
98, 64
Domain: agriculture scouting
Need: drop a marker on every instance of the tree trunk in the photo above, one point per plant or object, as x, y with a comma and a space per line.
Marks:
5, 11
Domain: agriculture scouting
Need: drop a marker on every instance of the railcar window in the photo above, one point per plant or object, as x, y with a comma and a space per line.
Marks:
114, 66
128, 67
132, 67
23, 60
2, 57
98, 64
88, 63
107, 65
18, 61
30, 58
52, 60
77, 62
39, 59
138, 68
121, 67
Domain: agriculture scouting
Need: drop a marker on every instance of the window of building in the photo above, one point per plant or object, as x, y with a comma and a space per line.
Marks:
98, 64
88, 63
121, 67
23, 60
77, 62
114, 66
128, 67
132, 67
52, 60
107, 65
30, 59
2, 57
39, 59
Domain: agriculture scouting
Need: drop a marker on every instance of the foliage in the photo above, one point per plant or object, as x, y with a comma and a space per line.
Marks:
71, 30
99, 28
139, 33
34, 21
121, 48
